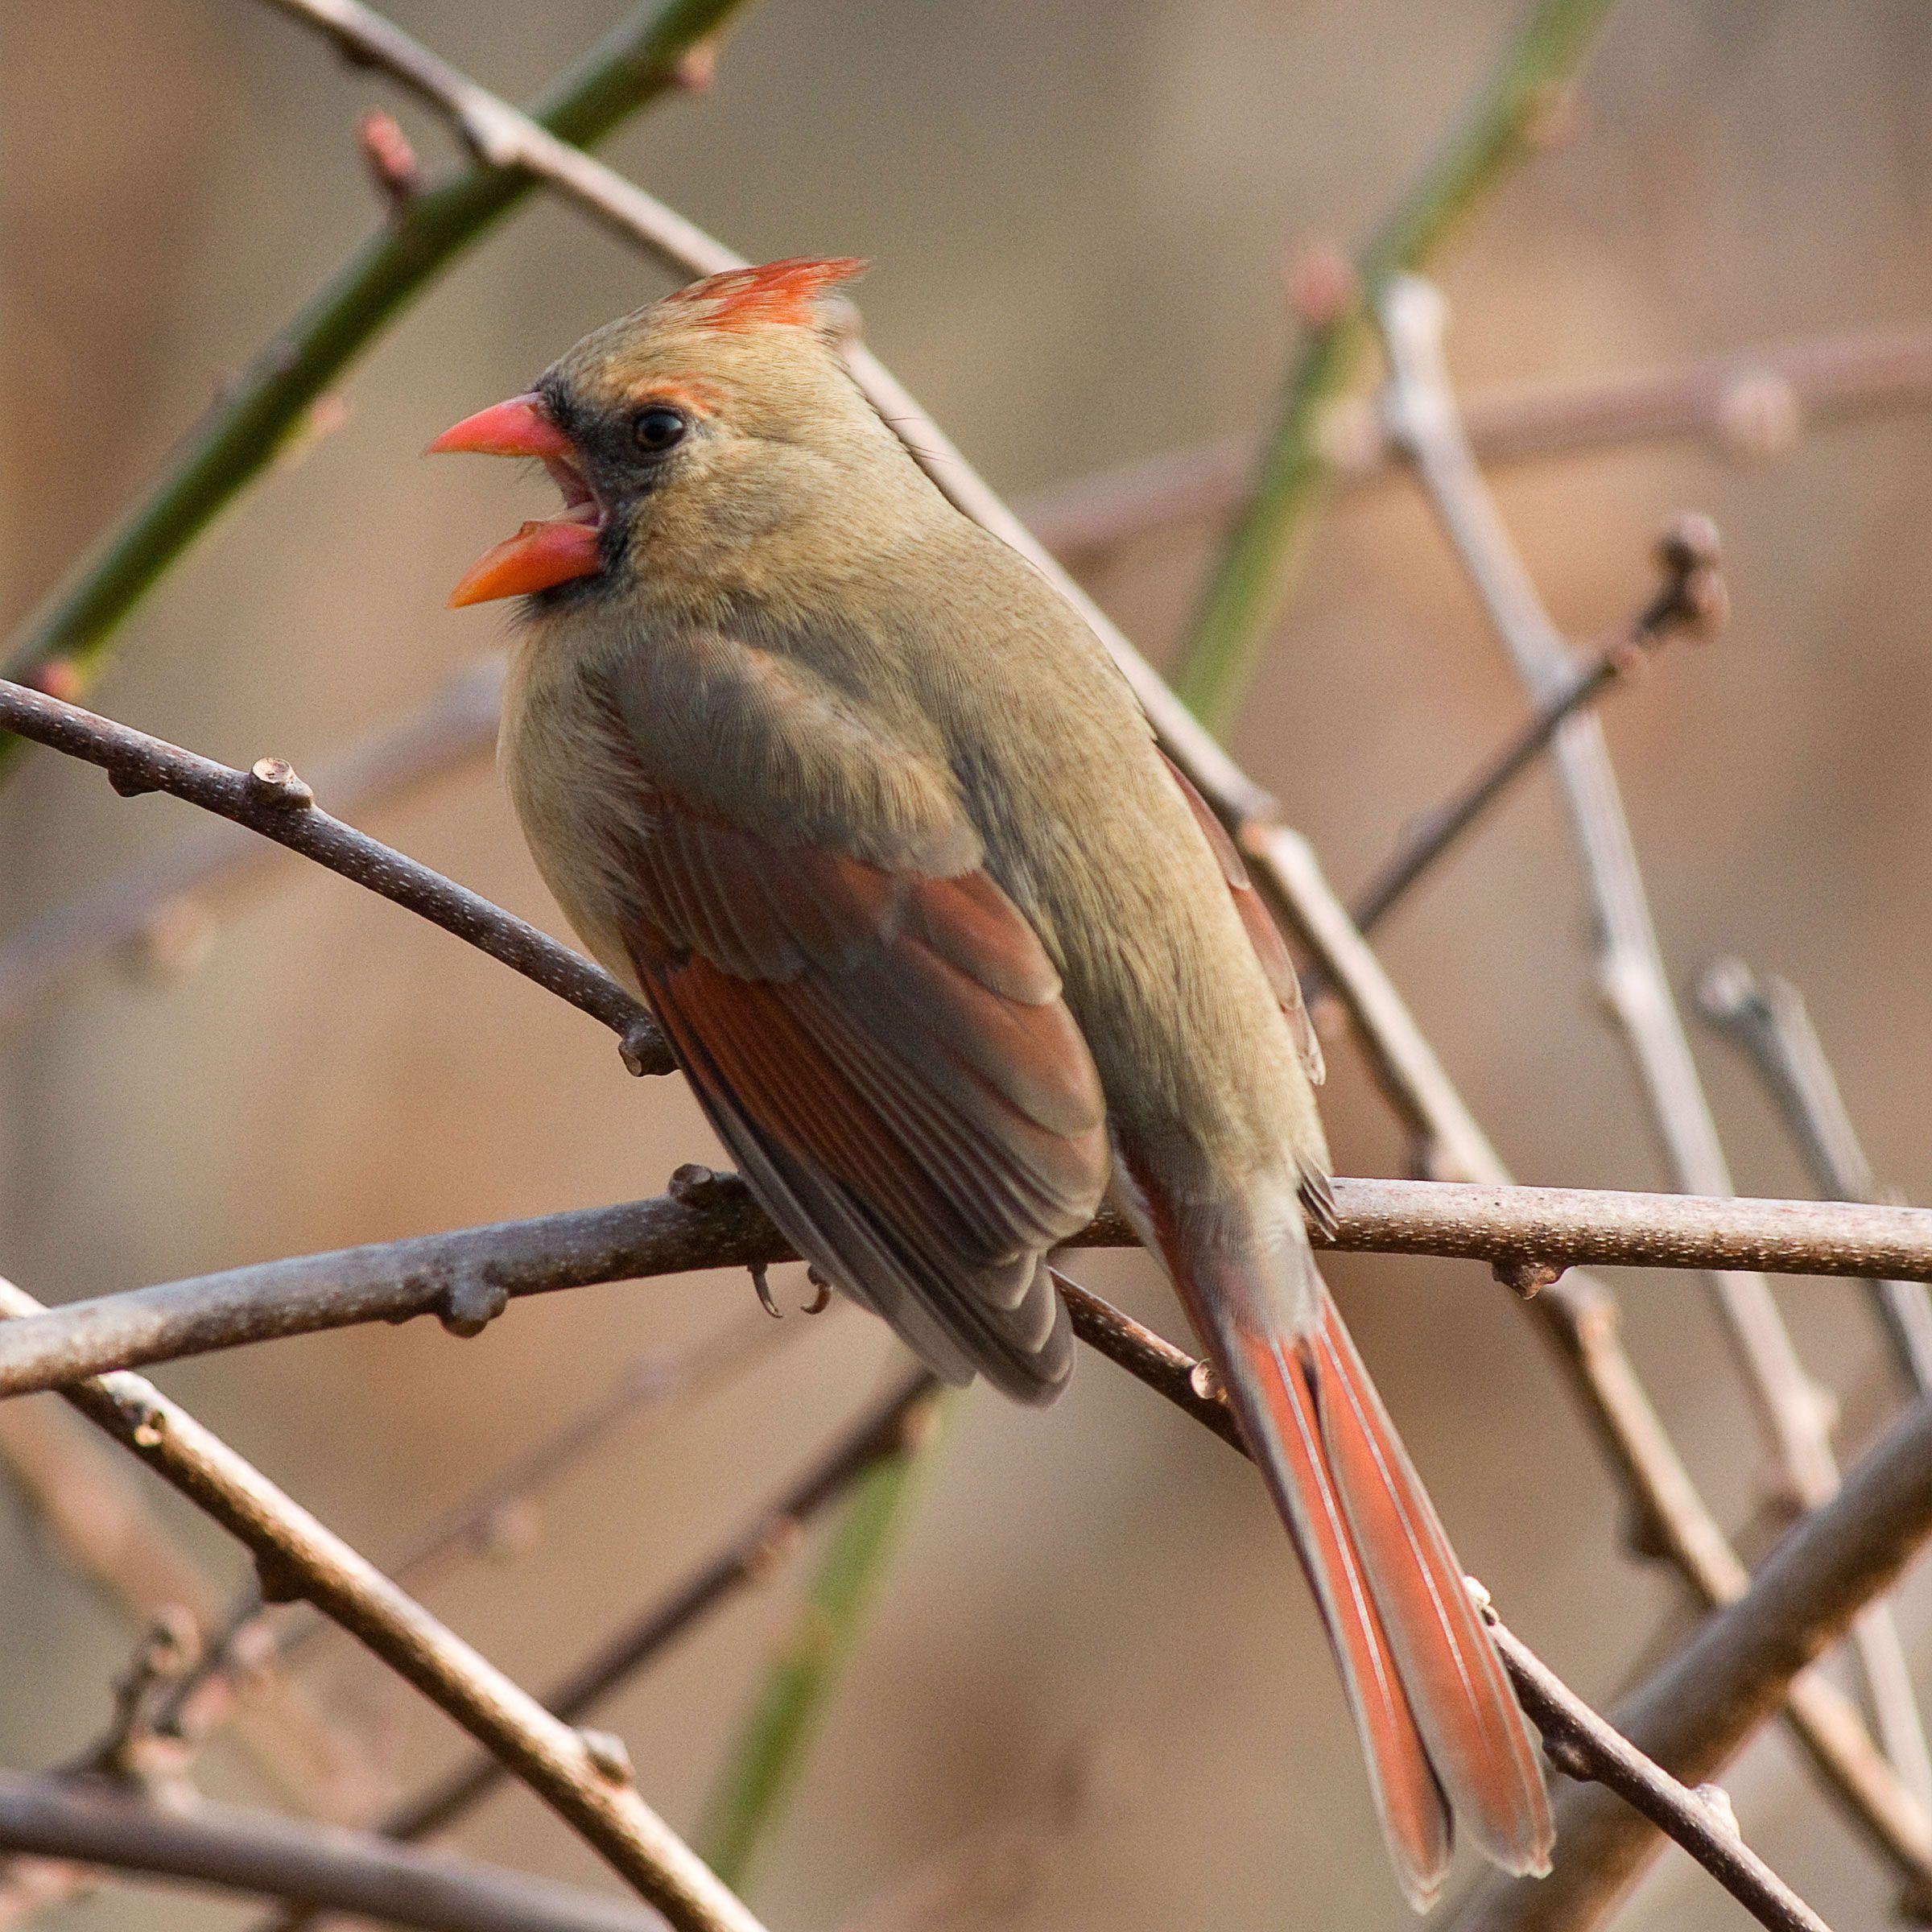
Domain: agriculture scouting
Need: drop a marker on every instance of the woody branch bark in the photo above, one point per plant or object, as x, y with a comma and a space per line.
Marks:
1631, 972
1402, 1064
889, 1428
1747, 403
220, 1850
468, 1277
341, 1584
1577, 1740
1580, 1318
1701, 1707
1398, 1056
590, 1788
654, 53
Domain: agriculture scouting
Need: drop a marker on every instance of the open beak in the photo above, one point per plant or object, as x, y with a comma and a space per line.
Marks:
547, 550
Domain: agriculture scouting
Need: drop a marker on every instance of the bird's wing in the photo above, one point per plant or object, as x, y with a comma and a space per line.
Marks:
886, 1054
1263, 933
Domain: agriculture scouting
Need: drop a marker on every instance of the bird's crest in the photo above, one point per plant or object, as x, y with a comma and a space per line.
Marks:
778, 294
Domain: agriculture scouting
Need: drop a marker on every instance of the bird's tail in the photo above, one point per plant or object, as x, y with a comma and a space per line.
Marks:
1440, 1723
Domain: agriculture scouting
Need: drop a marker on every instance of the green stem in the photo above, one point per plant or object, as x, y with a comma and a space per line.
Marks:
1263, 554
63, 644
763, 1768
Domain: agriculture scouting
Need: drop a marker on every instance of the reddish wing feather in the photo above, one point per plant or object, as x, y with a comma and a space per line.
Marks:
1263, 933
888, 1058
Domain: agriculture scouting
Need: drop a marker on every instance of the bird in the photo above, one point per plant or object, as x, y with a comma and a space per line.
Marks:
845, 791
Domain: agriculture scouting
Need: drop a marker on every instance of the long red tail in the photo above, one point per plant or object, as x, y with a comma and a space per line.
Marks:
1439, 1723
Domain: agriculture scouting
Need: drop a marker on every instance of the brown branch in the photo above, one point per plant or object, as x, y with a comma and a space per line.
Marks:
587, 1786
151, 905
1691, 599
1580, 1741
214, 1847
1578, 1315
747, 1560
255, 1636
1702, 1706
105, 1529
1630, 966
468, 1277
1701, 1821
1769, 1022
1575, 1312
1747, 402
1753, 403
270, 799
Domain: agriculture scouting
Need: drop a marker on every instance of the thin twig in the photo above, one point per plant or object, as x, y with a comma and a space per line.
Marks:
1578, 1315
1749, 403
766, 1757
1630, 965
1691, 598
587, 1787
270, 799
1769, 1020
1250, 580
1868, 1526
214, 1847
1701, 1821
1402, 1064
101, 1524
1702, 1706
655, 52
255, 1636
161, 905
469, 1276
1752, 402
750, 1556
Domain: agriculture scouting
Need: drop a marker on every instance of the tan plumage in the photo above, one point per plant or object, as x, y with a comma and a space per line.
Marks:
841, 787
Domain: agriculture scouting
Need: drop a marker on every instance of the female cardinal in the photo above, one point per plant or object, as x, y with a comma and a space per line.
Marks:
843, 789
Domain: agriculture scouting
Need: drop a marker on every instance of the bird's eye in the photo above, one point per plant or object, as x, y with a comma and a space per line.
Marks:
656, 428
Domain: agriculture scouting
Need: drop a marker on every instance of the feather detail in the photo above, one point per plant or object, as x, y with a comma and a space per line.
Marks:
888, 1058
1445, 1741
775, 295
1270, 949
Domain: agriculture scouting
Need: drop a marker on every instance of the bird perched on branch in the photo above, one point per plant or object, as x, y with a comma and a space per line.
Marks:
853, 799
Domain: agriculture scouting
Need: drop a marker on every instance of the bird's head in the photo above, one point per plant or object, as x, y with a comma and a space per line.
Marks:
679, 434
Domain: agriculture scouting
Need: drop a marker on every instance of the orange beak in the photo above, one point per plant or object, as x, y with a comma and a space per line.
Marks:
548, 550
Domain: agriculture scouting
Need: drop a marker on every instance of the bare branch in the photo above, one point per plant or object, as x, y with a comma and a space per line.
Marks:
654, 53
1701, 1821
1577, 1315
1630, 965
746, 1560
1576, 1736
1251, 575
254, 1635
1768, 1021
1691, 598
324, 1867
1402, 1064
1751, 403
300, 1556
468, 1277
104, 1527
148, 905
1703, 1706
272, 800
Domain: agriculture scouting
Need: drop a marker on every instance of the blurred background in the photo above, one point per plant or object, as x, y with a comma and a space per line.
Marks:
1079, 215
